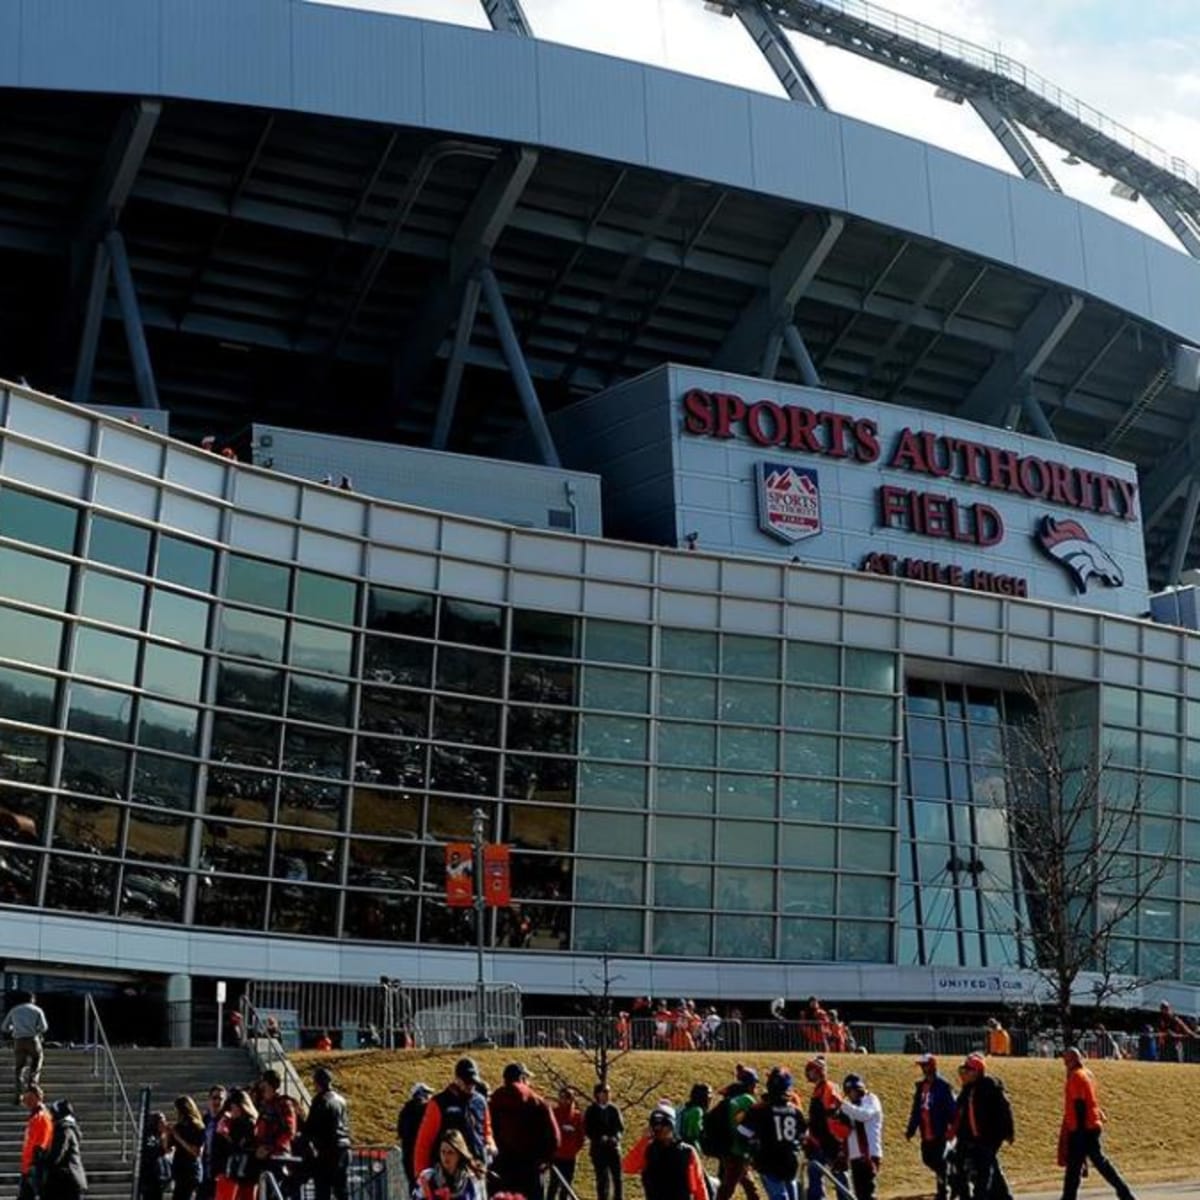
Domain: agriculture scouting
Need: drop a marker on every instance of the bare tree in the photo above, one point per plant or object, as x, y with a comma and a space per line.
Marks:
1073, 820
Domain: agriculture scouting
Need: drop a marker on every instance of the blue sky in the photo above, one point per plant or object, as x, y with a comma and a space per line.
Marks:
1138, 63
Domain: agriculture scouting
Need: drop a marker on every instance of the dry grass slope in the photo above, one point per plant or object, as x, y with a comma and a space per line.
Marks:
1145, 1142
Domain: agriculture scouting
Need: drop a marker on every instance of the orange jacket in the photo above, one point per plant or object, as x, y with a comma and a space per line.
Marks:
425, 1152
39, 1132
634, 1163
1081, 1108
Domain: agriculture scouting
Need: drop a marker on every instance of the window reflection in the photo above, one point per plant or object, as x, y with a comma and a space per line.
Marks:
156, 837
742, 655
119, 544
530, 828
94, 768
252, 581
18, 876
100, 712
548, 780
608, 930
311, 802
230, 903
246, 794
540, 681
30, 518
458, 770
617, 641
548, 729
238, 849
472, 721
318, 648
311, 751
375, 916
470, 671
450, 821
26, 697
81, 885
258, 689
325, 597
688, 650
684, 791
533, 927
472, 624
446, 926
179, 618
173, 673
34, 579
745, 937
107, 598
168, 727
169, 782
678, 934
311, 912
24, 756
609, 881
544, 633
612, 737
245, 739
386, 814
394, 763
392, 611
687, 696
87, 825
252, 635
395, 710
393, 660
384, 866
22, 816
302, 857
152, 895
185, 563
324, 700
32, 639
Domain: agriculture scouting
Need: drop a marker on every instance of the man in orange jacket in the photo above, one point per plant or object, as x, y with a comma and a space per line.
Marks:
1079, 1140
39, 1132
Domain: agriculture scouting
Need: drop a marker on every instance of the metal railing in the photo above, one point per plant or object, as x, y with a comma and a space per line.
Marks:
373, 1173
268, 1053
104, 1066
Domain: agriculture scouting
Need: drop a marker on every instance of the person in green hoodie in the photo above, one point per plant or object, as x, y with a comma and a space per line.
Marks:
735, 1161
691, 1116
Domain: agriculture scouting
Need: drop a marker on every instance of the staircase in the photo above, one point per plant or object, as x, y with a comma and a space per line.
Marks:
68, 1073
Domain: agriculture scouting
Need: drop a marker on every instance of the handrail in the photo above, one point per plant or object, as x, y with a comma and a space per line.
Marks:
268, 1052
114, 1085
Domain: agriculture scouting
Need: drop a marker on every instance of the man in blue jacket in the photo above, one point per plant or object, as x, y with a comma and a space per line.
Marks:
932, 1113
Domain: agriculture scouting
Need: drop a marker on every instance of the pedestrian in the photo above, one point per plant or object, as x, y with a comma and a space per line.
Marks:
774, 1130
670, 1169
1079, 1140
326, 1134
39, 1133
154, 1158
864, 1143
186, 1135
603, 1127
213, 1156
26, 1024
275, 1129
691, 1116
931, 1115
570, 1129
461, 1106
408, 1124
983, 1123
1172, 1030
999, 1044
526, 1134
732, 1151
456, 1175
238, 1178
64, 1177
825, 1143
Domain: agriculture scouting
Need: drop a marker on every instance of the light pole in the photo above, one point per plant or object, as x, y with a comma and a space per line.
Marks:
478, 820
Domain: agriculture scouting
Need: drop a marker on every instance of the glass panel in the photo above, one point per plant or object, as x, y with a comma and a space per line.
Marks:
745, 842
864, 805
609, 881
445, 926
532, 828
749, 749
612, 786
552, 781
812, 708
24, 757
469, 671
18, 877
684, 791
93, 768
625, 691
29, 518
152, 895
472, 624
386, 814
741, 889
543, 877
546, 729
308, 751
381, 865
185, 563
251, 635
310, 912
612, 737
682, 887
230, 903
179, 618
82, 885
804, 800
741, 655
544, 633
865, 851
373, 916
119, 544
311, 803
807, 941
807, 846
687, 696
390, 660
474, 722
391, 710
245, 739
807, 893
25, 697
33, 639
745, 937
869, 714
865, 896
542, 682
927, 779
1119, 706
682, 934
325, 597
100, 712
391, 762
169, 782
863, 942
253, 581
808, 662
612, 833
107, 598
868, 760
476, 772
931, 821
87, 825
683, 838
34, 579
105, 655
258, 689
746, 795
307, 857
168, 727
617, 641
1160, 753
608, 930
924, 736
172, 672
392, 611
157, 837
871, 670
688, 650
687, 745
810, 754
324, 700
750, 703
318, 648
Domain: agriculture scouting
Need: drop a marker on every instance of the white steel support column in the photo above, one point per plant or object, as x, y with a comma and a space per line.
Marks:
1016, 145
778, 50
1182, 224
131, 315
508, 17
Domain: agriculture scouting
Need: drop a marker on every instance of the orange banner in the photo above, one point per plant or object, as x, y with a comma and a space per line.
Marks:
459, 869
497, 876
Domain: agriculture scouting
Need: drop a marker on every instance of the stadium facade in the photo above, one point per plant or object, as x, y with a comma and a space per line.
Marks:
747, 743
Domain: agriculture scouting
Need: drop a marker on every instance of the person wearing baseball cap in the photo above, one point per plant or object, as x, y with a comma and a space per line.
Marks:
526, 1133
670, 1169
1079, 1139
458, 1106
983, 1122
825, 1145
864, 1144
774, 1129
931, 1115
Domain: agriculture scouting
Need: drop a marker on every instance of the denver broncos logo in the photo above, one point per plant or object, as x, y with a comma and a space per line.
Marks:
1069, 543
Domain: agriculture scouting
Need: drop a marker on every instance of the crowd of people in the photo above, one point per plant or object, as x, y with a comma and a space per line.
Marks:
814, 1137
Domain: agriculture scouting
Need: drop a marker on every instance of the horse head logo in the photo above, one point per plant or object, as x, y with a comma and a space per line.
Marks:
1069, 543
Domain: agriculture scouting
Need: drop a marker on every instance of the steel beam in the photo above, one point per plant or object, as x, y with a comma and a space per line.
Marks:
1037, 418
1183, 535
1036, 340
800, 356
517, 367
776, 47
1162, 486
454, 367
1016, 145
135, 335
921, 301
119, 171
1155, 386
1180, 222
507, 16
810, 245
93, 316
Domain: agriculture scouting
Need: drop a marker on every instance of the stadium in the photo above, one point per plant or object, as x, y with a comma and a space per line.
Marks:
410, 421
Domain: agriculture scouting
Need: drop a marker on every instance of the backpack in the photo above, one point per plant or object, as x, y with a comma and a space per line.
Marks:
716, 1130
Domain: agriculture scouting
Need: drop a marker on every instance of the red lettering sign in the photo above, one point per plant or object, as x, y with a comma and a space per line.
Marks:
460, 870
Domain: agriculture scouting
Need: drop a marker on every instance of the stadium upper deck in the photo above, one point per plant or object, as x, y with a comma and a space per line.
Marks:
244, 208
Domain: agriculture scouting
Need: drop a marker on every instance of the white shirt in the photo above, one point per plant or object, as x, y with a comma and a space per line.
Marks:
869, 1114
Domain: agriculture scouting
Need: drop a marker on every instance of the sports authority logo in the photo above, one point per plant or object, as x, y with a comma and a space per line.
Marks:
789, 501
1069, 543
